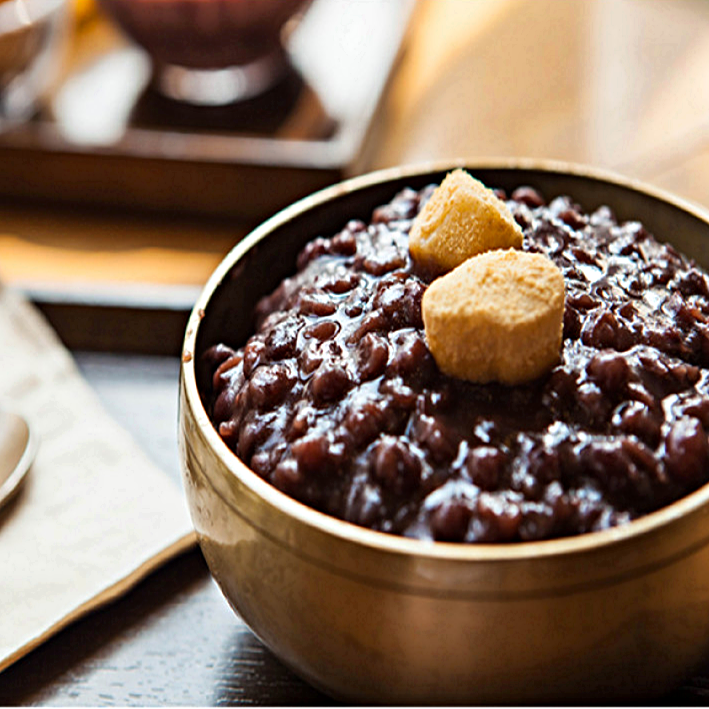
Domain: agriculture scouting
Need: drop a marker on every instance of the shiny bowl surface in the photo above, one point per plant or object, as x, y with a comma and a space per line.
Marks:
621, 614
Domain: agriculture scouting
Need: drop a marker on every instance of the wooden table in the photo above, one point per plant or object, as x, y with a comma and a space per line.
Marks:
620, 84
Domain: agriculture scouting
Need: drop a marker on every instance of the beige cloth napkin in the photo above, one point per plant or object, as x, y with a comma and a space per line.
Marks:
94, 515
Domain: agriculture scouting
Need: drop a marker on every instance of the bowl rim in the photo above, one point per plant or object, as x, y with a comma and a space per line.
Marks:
349, 532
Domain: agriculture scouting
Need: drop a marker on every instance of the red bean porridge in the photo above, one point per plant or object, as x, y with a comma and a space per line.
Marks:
337, 401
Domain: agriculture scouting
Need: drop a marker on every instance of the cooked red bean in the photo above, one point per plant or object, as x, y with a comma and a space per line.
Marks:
372, 356
610, 370
573, 218
633, 417
687, 450
436, 437
281, 340
412, 357
528, 196
346, 242
329, 383
317, 303
269, 385
396, 466
253, 353
288, 477
253, 431
600, 330
486, 465
322, 330
365, 421
449, 522
317, 453
216, 355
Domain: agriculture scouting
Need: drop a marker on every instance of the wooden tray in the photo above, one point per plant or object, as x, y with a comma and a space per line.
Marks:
104, 137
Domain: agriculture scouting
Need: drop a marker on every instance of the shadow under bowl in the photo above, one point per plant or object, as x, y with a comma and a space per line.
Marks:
621, 614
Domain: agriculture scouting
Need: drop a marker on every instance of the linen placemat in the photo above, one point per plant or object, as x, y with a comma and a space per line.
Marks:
94, 515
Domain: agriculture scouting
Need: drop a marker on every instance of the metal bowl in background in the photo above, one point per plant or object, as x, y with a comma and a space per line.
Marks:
209, 53
32, 33
621, 614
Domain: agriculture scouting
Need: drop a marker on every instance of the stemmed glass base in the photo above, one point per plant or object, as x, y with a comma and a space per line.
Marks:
222, 86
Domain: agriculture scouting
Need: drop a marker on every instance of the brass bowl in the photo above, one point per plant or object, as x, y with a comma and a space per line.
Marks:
369, 617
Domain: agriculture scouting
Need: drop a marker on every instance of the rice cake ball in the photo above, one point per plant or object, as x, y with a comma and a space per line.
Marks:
462, 218
496, 317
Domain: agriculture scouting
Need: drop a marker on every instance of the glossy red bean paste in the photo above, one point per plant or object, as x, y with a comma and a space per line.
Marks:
337, 401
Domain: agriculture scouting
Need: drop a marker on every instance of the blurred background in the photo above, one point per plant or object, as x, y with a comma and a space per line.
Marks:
122, 173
